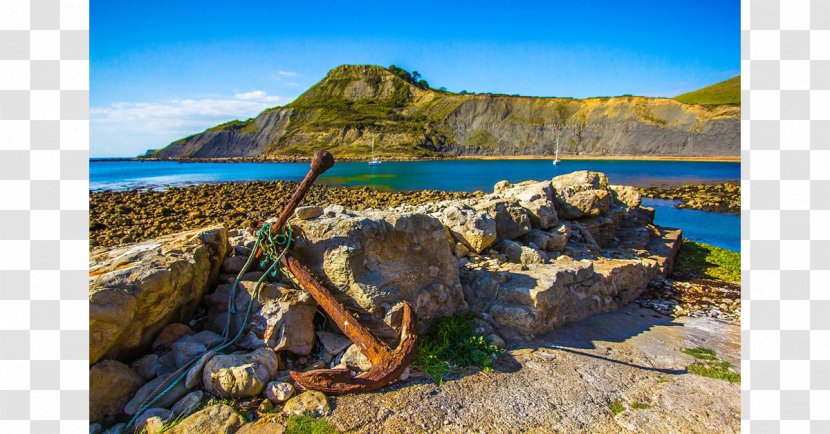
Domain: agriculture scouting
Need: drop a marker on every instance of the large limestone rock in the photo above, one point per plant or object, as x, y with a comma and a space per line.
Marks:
476, 230
535, 298
111, 385
512, 220
581, 194
136, 290
535, 197
281, 317
373, 260
240, 375
216, 419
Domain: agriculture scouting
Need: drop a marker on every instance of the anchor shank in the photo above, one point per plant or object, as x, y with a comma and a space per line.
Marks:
373, 349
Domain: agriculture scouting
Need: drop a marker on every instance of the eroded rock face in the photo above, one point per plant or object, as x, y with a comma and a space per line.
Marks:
214, 419
375, 259
239, 375
111, 385
512, 220
136, 290
475, 230
281, 317
535, 298
535, 197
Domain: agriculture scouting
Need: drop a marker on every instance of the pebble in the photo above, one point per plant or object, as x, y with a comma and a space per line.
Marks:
278, 391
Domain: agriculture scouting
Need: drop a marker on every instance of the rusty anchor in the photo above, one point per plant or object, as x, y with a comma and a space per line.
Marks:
387, 364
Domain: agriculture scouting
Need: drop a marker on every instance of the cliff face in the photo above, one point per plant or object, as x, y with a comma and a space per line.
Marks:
352, 104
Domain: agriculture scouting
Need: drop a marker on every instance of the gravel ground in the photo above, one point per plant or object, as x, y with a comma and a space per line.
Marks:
565, 381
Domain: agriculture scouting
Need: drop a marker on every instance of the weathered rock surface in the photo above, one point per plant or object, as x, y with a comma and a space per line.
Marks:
264, 427
538, 297
281, 316
378, 258
278, 391
474, 229
239, 375
312, 403
512, 221
165, 401
111, 385
219, 419
535, 197
136, 290
187, 405
355, 360
152, 420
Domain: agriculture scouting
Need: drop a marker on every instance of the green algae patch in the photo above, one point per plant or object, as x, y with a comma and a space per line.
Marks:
704, 260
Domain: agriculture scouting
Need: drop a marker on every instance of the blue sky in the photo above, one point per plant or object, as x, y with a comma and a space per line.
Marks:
163, 70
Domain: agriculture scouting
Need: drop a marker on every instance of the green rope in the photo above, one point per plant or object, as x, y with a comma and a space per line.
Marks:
273, 247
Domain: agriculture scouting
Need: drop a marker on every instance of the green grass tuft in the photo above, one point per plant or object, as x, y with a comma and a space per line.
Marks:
306, 424
711, 366
616, 407
708, 261
450, 344
640, 405
701, 353
725, 92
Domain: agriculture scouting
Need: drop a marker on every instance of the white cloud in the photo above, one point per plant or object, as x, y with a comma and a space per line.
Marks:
130, 128
287, 73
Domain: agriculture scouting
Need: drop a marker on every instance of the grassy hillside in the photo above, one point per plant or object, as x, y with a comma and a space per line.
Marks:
356, 104
725, 92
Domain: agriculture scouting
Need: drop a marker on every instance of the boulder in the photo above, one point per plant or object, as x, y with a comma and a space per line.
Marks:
281, 316
377, 258
187, 405
356, 360
95, 428
535, 197
239, 375
234, 264
170, 334
186, 349
152, 420
626, 194
519, 254
278, 391
308, 212
166, 400
147, 367
475, 230
262, 427
512, 221
333, 343
194, 374
111, 385
217, 419
580, 194
312, 403
136, 290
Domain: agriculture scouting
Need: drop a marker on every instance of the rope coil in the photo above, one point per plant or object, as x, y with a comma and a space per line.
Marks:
274, 246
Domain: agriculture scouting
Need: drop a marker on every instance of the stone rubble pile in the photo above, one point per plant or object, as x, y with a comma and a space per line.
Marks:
526, 258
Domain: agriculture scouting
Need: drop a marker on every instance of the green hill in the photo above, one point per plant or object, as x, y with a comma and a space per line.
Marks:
356, 105
725, 92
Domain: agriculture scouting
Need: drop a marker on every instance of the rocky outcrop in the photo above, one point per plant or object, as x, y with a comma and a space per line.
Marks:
375, 259
218, 418
111, 385
421, 122
136, 290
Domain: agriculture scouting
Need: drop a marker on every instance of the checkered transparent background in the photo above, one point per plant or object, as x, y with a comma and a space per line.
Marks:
785, 229
44, 142
44, 137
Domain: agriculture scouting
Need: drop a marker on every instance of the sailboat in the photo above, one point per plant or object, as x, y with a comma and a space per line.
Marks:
374, 161
556, 157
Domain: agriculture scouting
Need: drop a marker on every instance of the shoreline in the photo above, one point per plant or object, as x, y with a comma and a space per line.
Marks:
299, 159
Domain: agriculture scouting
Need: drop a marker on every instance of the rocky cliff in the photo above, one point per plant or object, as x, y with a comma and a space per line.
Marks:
355, 103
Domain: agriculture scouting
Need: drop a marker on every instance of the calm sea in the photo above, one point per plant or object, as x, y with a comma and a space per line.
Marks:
460, 175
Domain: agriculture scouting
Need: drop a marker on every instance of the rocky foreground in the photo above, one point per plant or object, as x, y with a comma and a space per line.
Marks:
724, 197
526, 260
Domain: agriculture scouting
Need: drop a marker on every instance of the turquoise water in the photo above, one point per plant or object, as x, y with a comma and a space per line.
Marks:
722, 230
463, 175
